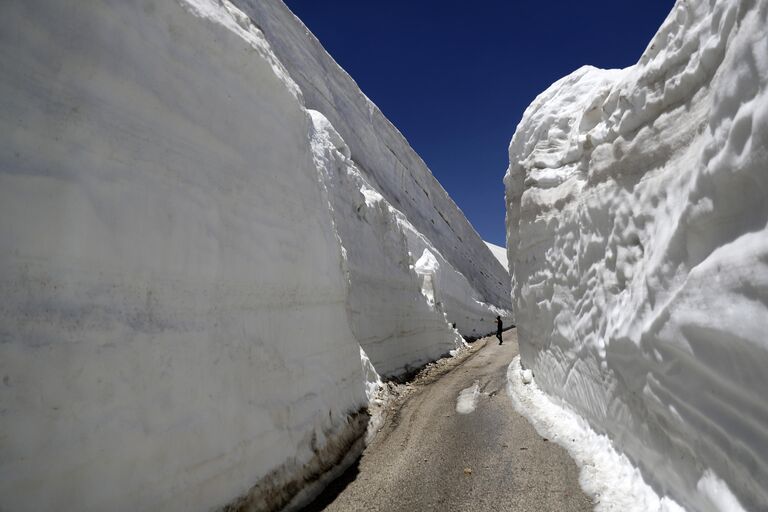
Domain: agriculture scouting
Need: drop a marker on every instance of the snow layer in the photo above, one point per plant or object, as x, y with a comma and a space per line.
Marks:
639, 251
201, 288
500, 253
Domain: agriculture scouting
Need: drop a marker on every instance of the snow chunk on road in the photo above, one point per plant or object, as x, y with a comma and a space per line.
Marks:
467, 401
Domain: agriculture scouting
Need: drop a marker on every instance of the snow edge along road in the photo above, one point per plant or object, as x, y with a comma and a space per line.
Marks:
605, 475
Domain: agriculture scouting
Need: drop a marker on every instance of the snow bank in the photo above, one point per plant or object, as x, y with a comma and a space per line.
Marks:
605, 475
638, 244
201, 288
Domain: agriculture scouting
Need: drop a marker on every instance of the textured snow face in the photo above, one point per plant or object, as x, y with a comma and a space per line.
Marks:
200, 287
638, 245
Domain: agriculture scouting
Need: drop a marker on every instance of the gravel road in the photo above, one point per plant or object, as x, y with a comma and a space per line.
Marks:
428, 456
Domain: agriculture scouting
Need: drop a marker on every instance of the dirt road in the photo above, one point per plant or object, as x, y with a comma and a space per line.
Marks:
428, 456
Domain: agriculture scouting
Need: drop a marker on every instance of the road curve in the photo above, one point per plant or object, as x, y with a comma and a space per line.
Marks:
421, 458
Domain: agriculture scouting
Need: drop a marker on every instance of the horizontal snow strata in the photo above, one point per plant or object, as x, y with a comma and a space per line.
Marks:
173, 324
638, 246
466, 402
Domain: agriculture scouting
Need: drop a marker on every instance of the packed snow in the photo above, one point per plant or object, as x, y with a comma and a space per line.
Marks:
500, 253
203, 280
467, 400
638, 246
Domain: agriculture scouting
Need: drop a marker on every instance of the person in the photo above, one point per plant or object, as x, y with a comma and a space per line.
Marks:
498, 329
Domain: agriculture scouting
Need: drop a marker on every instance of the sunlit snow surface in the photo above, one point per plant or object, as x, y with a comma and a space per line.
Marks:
607, 476
638, 246
500, 253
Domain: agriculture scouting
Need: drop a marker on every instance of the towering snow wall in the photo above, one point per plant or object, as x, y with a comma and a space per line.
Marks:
191, 261
639, 251
381, 153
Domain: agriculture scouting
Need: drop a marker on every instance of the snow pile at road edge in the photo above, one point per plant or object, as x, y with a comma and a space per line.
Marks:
605, 475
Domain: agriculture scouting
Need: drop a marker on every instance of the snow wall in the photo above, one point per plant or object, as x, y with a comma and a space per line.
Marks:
638, 246
196, 269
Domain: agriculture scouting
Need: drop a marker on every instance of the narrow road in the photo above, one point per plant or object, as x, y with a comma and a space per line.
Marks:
421, 459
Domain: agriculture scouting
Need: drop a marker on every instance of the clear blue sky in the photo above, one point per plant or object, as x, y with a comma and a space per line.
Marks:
456, 76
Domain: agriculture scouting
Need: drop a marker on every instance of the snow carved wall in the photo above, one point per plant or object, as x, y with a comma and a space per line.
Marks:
192, 263
395, 326
380, 152
639, 251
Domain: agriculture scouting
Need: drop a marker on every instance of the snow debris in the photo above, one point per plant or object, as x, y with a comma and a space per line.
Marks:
467, 400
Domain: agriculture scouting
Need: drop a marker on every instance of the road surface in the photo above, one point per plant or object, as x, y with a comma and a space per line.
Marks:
422, 458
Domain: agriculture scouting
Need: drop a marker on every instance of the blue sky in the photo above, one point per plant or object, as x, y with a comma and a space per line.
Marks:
455, 77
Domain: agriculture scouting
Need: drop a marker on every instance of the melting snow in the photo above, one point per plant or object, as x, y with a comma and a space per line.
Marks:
467, 401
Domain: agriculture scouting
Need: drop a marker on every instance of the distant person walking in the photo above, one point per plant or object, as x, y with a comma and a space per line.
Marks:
499, 325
